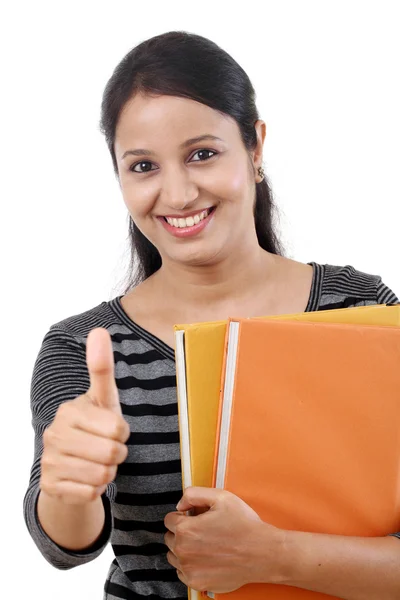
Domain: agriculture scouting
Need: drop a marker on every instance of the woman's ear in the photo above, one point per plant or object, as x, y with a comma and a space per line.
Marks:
261, 130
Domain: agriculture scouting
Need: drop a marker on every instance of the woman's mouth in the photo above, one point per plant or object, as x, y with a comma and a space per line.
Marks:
188, 226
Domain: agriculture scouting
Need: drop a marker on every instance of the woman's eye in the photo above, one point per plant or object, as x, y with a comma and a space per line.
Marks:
141, 163
146, 162
204, 150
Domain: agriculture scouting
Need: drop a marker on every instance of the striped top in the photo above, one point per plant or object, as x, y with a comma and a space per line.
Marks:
148, 484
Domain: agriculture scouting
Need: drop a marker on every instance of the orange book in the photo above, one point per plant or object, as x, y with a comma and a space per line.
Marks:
309, 431
199, 350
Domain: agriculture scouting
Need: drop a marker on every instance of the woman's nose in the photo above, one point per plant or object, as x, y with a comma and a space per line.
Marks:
178, 192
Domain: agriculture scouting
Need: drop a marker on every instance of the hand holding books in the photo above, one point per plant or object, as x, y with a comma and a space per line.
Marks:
223, 548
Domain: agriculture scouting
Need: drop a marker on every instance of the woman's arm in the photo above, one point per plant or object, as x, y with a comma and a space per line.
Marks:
352, 568
60, 374
74, 527
229, 546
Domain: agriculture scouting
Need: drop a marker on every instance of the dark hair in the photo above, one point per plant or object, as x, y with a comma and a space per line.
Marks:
178, 63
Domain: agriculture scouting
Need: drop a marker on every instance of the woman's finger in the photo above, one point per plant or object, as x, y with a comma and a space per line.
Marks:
90, 447
169, 540
72, 492
173, 560
103, 390
73, 468
182, 577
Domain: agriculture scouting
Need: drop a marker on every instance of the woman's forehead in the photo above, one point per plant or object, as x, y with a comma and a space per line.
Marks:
146, 119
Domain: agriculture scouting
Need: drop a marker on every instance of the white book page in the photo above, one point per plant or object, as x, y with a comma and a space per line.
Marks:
227, 403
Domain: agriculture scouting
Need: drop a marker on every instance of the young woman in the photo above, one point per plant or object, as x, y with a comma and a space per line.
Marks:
186, 141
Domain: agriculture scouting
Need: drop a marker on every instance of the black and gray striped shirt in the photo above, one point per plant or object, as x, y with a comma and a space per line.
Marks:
148, 484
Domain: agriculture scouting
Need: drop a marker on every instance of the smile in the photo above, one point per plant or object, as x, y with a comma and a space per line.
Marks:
188, 227
188, 221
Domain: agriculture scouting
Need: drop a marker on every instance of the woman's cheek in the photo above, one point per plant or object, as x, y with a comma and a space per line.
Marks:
139, 203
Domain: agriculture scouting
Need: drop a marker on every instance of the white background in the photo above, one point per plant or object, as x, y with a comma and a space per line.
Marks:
326, 76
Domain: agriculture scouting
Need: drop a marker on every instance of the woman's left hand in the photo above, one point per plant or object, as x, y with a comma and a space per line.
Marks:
223, 548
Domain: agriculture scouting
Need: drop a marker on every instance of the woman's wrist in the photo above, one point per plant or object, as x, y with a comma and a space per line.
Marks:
274, 558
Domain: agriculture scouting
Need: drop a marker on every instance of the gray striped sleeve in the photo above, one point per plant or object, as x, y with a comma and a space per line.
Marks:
384, 294
59, 374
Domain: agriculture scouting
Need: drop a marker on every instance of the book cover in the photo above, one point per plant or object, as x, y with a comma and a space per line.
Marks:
312, 437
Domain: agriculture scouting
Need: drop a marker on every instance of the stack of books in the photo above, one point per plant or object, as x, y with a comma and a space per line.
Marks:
298, 415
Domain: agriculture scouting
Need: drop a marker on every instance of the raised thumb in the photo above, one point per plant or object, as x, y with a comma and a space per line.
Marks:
103, 390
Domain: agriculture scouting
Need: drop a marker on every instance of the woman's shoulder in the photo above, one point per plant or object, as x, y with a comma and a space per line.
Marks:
79, 325
343, 286
70, 333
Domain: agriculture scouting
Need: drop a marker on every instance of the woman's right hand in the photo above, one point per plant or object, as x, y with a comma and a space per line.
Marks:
87, 439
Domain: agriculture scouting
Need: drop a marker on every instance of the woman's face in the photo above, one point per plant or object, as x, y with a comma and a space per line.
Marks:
192, 199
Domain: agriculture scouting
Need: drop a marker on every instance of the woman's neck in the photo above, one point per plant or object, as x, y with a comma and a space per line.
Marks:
235, 279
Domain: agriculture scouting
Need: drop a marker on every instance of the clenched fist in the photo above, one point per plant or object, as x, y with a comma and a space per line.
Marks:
87, 439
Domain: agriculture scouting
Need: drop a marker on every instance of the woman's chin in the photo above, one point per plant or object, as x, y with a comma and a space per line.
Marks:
205, 258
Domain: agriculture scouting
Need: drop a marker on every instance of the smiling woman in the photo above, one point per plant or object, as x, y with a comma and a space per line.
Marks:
186, 141
154, 107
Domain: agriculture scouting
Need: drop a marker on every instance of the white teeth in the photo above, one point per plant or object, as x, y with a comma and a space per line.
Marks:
190, 221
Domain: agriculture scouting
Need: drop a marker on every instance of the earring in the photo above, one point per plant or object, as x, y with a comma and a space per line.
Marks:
261, 173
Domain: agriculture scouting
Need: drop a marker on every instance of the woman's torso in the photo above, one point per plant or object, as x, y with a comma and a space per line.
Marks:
148, 484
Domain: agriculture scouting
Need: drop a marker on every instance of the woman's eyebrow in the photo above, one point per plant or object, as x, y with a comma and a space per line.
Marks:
195, 140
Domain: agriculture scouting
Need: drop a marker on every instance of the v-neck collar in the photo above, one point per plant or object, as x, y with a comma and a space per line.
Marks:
169, 352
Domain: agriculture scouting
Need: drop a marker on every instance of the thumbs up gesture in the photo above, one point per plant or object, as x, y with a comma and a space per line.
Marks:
86, 441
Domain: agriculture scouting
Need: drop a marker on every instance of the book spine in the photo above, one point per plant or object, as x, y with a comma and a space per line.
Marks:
221, 398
